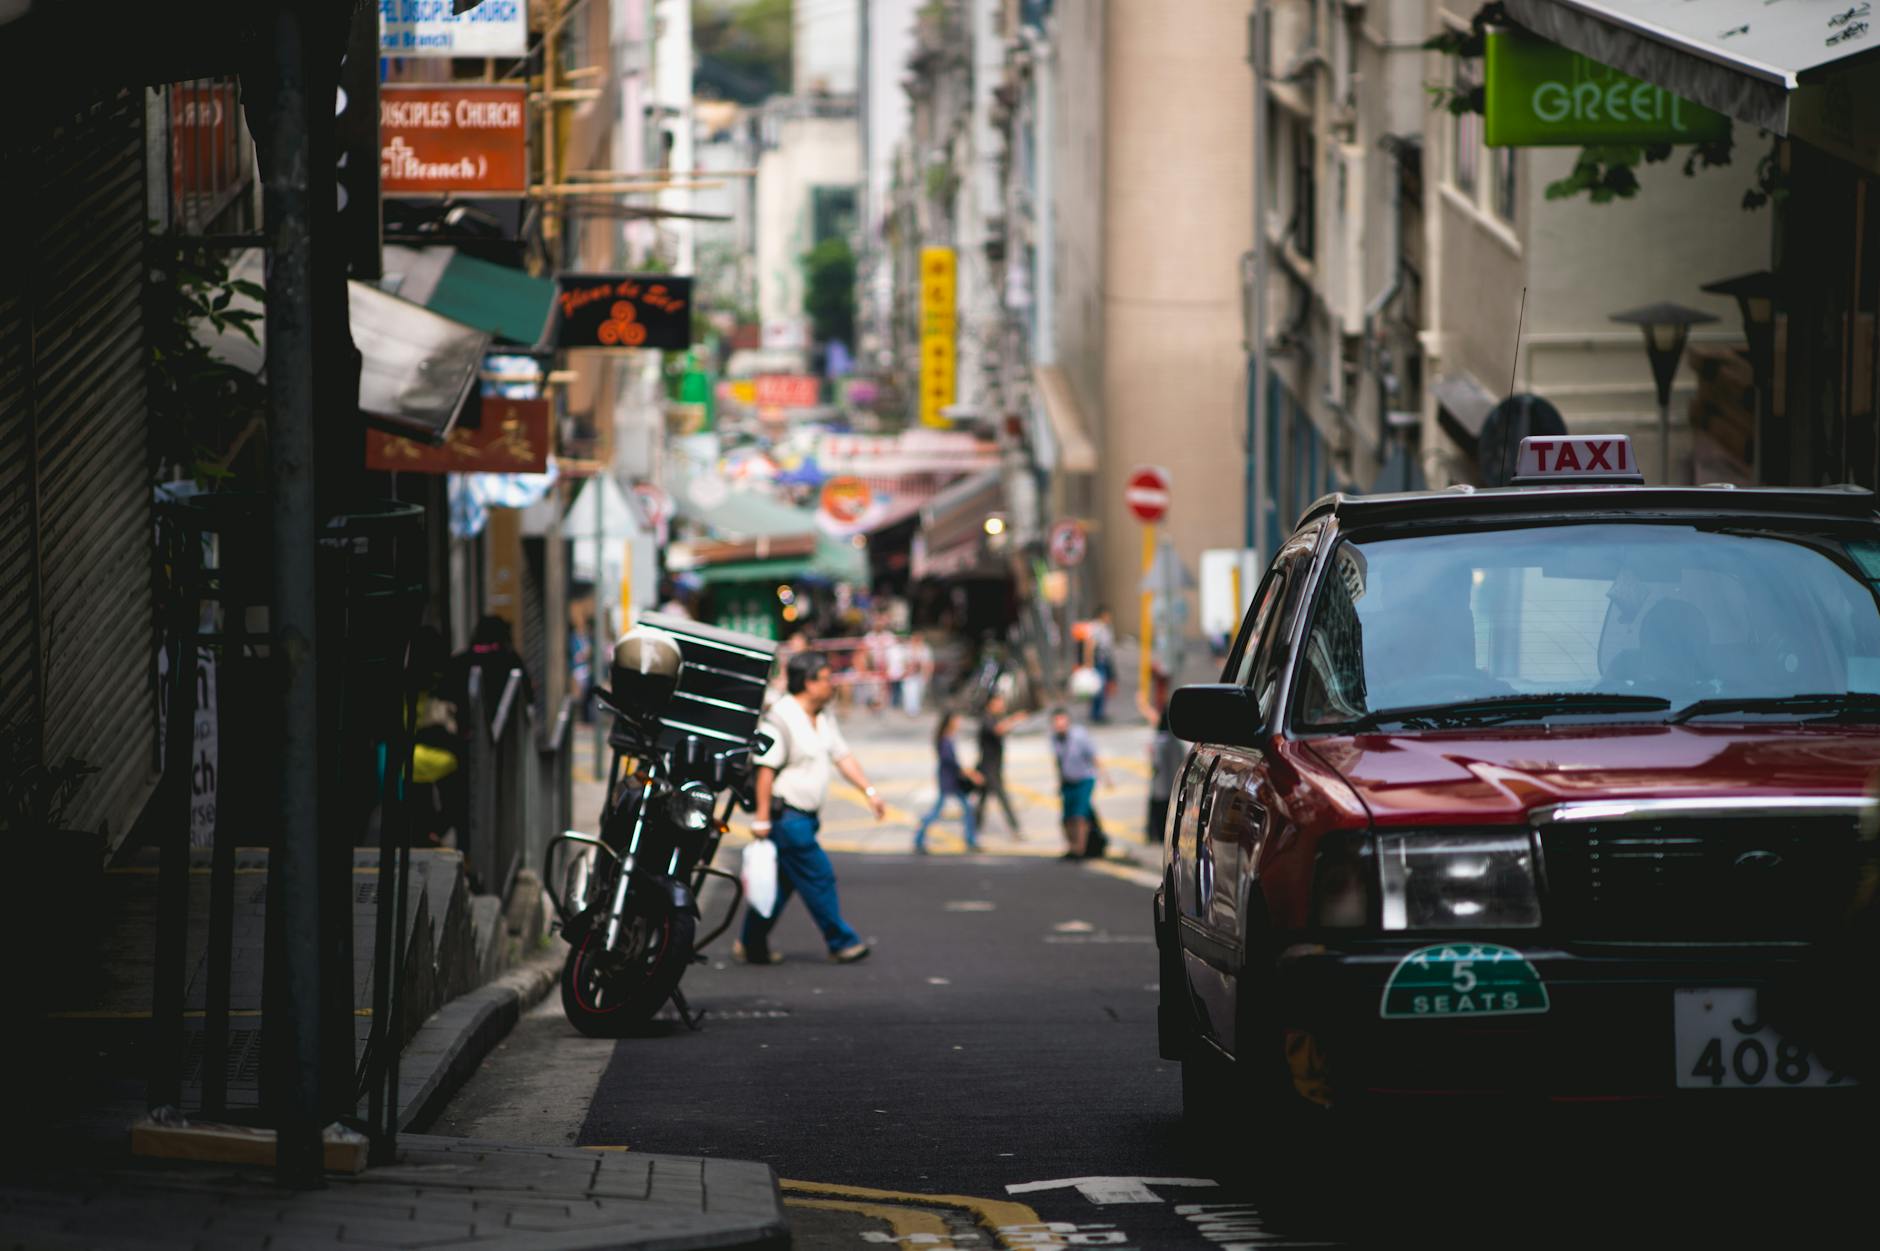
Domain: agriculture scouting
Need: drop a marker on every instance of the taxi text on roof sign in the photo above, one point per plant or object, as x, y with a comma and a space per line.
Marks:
1588, 457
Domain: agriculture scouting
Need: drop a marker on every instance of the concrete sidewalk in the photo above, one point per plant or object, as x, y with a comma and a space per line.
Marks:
71, 1182
442, 1193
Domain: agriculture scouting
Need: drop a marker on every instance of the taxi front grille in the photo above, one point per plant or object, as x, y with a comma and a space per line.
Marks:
1700, 880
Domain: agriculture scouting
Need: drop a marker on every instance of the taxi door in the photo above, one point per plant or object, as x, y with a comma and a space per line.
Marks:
1235, 815
1194, 793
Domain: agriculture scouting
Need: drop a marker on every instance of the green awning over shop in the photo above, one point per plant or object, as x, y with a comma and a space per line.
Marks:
503, 302
834, 560
506, 302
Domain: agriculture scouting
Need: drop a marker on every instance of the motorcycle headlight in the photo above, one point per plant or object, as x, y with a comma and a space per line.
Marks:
691, 807
1484, 881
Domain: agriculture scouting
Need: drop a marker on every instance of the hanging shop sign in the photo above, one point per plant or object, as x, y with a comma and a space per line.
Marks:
1541, 95
845, 499
440, 140
511, 438
433, 28
938, 327
788, 391
622, 311
206, 158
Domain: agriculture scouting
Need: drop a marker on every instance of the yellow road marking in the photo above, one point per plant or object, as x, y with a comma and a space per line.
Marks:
902, 1222
620, 1148
1125, 872
994, 1215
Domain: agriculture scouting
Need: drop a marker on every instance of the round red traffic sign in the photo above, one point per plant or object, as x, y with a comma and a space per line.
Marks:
654, 501
1068, 544
1147, 493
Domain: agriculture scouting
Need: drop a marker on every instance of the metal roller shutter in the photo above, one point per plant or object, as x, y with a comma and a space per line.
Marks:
16, 515
95, 523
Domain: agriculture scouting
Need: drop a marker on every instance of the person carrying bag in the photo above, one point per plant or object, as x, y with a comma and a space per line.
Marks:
793, 777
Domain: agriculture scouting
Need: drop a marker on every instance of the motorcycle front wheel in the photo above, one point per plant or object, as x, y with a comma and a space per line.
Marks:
608, 993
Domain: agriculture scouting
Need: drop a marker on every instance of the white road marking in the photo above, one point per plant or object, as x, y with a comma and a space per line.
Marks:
970, 905
1105, 1191
1074, 927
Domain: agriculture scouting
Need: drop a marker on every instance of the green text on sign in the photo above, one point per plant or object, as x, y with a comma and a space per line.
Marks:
1541, 95
1463, 979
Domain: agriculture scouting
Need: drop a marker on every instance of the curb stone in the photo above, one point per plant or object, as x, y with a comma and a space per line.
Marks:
453, 1041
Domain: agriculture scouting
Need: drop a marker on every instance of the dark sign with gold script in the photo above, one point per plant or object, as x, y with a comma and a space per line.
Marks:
512, 438
623, 311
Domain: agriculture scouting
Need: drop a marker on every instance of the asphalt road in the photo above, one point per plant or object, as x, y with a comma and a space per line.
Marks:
999, 1048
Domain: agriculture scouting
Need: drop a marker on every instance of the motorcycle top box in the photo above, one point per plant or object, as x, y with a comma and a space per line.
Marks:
721, 686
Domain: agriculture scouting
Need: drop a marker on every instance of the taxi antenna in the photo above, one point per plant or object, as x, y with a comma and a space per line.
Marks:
1514, 366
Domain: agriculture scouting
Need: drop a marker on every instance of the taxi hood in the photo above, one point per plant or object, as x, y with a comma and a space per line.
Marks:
1499, 776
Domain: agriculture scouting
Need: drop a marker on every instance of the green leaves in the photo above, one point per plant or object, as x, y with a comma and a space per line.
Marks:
1603, 174
200, 405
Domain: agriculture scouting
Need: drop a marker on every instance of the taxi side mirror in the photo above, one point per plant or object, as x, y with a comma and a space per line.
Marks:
1222, 713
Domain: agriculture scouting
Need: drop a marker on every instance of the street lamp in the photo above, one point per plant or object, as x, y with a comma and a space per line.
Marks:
1756, 295
1666, 327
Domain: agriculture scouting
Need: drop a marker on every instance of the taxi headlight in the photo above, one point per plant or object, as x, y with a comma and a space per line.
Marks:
1483, 881
691, 807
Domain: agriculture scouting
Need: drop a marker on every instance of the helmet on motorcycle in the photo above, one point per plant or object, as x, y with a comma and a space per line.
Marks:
646, 670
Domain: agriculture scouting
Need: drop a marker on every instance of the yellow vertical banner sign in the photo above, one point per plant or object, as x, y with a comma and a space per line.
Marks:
938, 328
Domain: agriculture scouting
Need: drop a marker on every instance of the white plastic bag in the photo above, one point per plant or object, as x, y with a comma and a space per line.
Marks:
759, 875
1085, 682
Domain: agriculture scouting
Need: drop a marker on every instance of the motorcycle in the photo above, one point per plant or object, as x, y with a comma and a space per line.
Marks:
685, 700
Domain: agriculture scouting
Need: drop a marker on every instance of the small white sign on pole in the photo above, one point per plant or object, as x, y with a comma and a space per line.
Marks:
1228, 578
431, 28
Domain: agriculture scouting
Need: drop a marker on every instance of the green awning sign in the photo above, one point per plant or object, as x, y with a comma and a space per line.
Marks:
1463, 979
1541, 95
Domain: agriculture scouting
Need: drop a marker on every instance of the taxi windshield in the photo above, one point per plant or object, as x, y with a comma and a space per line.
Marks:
1611, 620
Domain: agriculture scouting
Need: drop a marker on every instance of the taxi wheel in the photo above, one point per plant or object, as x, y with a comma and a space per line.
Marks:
1264, 1090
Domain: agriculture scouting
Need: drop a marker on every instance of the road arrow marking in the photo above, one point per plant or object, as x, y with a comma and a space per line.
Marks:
1105, 1191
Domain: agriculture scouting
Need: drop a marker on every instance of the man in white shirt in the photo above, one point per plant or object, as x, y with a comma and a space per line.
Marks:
792, 782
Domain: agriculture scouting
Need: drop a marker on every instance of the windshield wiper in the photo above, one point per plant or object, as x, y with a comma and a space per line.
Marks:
1832, 703
1507, 708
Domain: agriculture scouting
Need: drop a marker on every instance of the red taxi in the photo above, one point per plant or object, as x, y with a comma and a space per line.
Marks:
1553, 789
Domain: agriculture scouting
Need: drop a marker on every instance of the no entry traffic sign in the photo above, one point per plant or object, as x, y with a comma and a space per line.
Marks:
1147, 493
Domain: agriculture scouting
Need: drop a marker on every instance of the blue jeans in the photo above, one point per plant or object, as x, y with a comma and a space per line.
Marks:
966, 813
1099, 702
802, 867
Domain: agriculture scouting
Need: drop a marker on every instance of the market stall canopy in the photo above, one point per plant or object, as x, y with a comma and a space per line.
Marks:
1798, 67
832, 561
951, 540
743, 512
940, 452
1076, 453
511, 305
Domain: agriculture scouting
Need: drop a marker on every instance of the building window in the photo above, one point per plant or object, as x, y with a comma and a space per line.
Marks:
833, 213
1304, 188
1502, 190
1466, 144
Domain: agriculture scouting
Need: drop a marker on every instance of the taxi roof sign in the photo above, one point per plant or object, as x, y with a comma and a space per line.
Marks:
1579, 459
